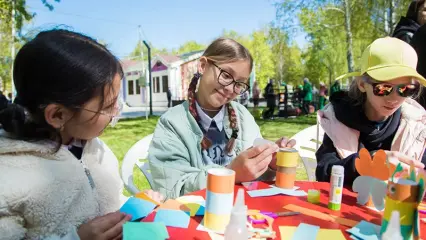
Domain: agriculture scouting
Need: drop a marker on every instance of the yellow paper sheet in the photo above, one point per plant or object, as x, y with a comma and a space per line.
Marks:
287, 233
328, 234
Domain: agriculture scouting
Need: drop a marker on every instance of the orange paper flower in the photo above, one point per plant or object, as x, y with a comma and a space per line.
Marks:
376, 167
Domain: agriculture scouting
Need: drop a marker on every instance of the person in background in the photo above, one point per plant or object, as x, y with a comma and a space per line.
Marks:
335, 88
58, 179
419, 44
169, 98
256, 95
307, 95
378, 112
270, 100
408, 25
244, 99
322, 95
9, 96
213, 131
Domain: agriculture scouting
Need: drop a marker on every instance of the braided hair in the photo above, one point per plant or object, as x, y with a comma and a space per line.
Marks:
220, 50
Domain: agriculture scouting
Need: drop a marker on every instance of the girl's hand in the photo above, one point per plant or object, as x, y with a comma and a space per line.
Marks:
282, 143
109, 226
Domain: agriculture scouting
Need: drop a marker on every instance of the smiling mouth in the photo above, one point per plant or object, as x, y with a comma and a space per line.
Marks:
223, 95
389, 108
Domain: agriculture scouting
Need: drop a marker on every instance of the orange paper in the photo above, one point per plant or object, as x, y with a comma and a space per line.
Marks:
143, 196
376, 167
174, 205
320, 215
285, 180
220, 180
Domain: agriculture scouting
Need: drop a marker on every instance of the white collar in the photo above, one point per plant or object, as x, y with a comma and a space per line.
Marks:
206, 120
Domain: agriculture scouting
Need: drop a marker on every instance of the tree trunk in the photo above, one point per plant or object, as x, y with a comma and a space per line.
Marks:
349, 40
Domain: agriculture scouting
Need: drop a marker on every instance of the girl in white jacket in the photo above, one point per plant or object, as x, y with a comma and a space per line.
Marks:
57, 179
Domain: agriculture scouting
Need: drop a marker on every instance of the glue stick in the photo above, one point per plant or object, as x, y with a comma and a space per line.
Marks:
336, 187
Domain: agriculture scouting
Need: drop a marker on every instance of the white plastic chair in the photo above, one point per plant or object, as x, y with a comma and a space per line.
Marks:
137, 155
307, 143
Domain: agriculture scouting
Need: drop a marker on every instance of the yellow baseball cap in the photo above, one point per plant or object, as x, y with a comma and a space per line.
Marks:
388, 58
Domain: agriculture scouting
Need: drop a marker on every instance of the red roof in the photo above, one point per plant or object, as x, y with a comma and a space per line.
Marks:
128, 63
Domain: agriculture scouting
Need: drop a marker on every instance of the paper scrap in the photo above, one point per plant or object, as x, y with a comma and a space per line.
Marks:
250, 185
196, 204
330, 234
174, 205
172, 218
138, 208
276, 191
261, 141
320, 215
365, 230
287, 232
215, 236
142, 195
305, 231
149, 230
376, 167
294, 188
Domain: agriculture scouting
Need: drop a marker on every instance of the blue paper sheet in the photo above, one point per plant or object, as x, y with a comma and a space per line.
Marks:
172, 218
138, 208
144, 230
305, 231
276, 191
365, 230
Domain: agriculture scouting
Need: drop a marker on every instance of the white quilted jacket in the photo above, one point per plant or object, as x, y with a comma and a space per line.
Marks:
47, 195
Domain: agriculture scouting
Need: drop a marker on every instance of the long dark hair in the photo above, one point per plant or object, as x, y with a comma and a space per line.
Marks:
57, 66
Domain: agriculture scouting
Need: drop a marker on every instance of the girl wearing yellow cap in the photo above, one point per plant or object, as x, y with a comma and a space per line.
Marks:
378, 112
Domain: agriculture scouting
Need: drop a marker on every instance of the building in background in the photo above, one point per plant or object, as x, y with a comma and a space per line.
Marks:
168, 71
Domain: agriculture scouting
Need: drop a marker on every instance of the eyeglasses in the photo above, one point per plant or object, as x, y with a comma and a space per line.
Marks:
385, 89
225, 79
114, 117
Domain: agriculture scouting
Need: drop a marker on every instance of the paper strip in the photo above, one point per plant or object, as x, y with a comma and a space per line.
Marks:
220, 180
275, 191
219, 203
172, 218
320, 215
149, 230
365, 230
138, 208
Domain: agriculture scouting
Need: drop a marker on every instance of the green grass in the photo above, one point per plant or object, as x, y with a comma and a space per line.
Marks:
127, 132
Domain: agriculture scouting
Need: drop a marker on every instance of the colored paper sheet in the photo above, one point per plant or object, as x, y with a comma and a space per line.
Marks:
172, 204
330, 234
142, 195
320, 215
138, 208
365, 230
215, 236
286, 232
172, 218
147, 230
294, 188
250, 185
196, 204
276, 191
305, 231
376, 167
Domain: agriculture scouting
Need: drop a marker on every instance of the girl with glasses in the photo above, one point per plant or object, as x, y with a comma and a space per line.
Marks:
378, 112
58, 180
210, 130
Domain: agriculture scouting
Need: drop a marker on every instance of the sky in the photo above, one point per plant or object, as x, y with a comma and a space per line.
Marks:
164, 23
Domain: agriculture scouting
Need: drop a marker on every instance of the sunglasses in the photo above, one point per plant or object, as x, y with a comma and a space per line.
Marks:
385, 89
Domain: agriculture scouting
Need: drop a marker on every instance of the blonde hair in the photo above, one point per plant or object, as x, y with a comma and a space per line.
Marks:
221, 50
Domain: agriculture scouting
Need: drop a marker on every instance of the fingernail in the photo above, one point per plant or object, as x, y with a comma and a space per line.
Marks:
129, 216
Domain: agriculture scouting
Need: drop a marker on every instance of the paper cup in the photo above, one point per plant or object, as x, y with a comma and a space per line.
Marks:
219, 198
287, 160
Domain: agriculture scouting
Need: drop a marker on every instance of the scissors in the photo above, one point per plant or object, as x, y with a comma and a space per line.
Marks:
256, 216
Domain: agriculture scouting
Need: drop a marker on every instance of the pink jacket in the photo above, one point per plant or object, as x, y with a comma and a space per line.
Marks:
410, 138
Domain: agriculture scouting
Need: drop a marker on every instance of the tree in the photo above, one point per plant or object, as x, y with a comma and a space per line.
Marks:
136, 53
189, 46
262, 56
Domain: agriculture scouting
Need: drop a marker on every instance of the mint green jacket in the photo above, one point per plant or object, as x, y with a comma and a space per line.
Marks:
175, 157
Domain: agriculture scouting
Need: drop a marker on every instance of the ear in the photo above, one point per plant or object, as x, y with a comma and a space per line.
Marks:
202, 64
361, 85
57, 115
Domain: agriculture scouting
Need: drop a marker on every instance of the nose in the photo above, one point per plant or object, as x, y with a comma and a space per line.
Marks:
229, 89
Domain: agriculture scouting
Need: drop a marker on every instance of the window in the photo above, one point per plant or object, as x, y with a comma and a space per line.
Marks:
156, 84
138, 87
128, 73
165, 80
131, 88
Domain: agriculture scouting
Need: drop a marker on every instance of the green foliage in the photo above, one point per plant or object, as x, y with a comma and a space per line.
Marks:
189, 46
